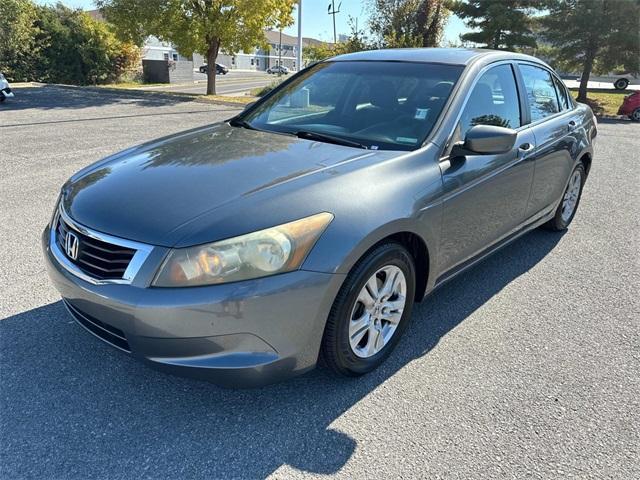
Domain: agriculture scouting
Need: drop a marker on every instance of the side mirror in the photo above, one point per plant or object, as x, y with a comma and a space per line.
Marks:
487, 140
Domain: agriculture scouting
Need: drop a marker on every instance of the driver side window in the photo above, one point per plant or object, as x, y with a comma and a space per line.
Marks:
493, 101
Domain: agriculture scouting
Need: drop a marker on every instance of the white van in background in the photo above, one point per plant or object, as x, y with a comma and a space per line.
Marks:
5, 89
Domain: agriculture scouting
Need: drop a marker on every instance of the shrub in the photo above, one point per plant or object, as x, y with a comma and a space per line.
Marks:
61, 45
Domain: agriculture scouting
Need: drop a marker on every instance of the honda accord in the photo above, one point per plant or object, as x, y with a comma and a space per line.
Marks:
306, 227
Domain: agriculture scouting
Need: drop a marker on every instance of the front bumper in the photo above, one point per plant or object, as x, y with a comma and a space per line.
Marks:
240, 334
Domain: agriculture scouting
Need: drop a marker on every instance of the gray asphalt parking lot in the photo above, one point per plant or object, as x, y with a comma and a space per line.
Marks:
526, 366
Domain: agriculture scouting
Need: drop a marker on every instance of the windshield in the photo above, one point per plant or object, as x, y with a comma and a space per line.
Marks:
379, 105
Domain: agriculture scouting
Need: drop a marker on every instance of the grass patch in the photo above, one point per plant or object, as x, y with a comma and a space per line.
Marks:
262, 91
129, 85
223, 98
241, 100
603, 102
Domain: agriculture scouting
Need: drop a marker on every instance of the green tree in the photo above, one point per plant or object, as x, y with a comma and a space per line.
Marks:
357, 41
594, 35
18, 48
408, 23
58, 44
500, 24
77, 49
200, 26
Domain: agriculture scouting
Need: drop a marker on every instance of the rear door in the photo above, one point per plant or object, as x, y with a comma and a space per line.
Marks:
486, 195
554, 123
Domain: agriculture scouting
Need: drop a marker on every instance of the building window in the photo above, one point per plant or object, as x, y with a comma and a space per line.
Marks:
233, 60
175, 57
294, 65
166, 56
252, 62
257, 62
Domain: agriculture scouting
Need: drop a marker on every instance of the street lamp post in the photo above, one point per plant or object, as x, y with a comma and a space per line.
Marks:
299, 53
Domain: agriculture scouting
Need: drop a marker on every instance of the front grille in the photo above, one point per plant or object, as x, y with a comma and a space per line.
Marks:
103, 331
98, 259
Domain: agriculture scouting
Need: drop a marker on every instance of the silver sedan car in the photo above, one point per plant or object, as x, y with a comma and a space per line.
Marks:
308, 225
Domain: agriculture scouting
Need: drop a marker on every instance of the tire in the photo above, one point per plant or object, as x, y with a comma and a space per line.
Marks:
635, 115
2, 98
621, 84
561, 221
336, 351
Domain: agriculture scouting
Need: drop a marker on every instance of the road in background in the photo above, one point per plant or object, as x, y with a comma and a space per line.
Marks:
599, 85
243, 81
527, 366
232, 82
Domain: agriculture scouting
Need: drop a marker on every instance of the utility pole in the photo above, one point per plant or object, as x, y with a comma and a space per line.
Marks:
332, 11
280, 54
299, 59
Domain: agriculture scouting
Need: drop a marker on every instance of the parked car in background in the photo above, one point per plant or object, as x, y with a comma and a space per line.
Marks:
5, 89
220, 69
278, 69
309, 224
631, 106
619, 81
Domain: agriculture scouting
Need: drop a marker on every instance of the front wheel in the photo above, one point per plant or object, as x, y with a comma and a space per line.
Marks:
569, 204
635, 116
621, 84
370, 312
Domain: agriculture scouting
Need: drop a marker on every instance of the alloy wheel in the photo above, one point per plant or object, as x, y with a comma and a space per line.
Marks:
571, 196
377, 311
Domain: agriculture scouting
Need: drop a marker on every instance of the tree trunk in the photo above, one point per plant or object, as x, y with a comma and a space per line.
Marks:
586, 73
212, 54
433, 32
496, 40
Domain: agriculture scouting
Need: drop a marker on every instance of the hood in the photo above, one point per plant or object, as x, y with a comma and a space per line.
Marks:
148, 193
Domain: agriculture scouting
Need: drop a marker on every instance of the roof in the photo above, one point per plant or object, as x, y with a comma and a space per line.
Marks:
451, 56
273, 36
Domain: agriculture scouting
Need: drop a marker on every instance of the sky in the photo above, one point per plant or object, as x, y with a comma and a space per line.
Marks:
316, 22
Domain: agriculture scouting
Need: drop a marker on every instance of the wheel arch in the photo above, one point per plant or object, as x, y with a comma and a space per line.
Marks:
413, 242
586, 161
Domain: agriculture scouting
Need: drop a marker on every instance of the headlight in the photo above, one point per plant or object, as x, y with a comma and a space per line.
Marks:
266, 252
55, 212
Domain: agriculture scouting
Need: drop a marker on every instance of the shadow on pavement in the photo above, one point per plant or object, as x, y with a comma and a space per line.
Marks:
74, 408
615, 120
54, 96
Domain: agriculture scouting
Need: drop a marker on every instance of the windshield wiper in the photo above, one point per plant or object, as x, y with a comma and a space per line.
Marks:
237, 122
321, 137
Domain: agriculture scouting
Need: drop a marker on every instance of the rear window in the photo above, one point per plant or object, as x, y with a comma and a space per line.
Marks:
541, 92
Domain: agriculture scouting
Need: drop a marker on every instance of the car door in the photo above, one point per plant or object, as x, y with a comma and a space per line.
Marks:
485, 196
554, 124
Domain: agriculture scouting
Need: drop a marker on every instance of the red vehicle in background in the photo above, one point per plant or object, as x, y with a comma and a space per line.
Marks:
631, 106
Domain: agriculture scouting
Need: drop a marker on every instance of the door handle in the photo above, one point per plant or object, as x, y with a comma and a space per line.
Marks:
572, 126
526, 147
